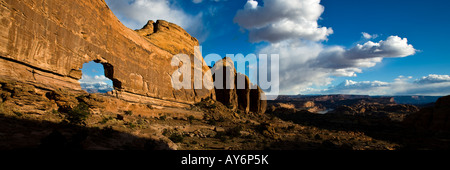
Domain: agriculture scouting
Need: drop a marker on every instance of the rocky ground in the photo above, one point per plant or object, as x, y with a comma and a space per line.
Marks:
33, 117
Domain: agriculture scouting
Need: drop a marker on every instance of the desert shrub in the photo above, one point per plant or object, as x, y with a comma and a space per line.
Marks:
212, 122
131, 125
141, 122
165, 132
190, 119
234, 132
55, 112
106, 119
78, 114
212, 106
207, 103
221, 119
119, 117
129, 112
18, 113
163, 117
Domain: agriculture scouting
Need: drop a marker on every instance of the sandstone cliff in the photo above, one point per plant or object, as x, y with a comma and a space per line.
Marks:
246, 97
225, 85
169, 36
47, 42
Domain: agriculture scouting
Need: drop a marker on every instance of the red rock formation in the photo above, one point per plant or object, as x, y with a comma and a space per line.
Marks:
169, 36
243, 94
258, 100
251, 98
225, 84
47, 42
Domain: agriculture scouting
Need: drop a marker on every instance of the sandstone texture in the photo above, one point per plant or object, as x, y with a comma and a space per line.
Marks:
169, 36
47, 42
245, 97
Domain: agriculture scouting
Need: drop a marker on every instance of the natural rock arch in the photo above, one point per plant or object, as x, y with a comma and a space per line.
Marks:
98, 77
47, 42
109, 73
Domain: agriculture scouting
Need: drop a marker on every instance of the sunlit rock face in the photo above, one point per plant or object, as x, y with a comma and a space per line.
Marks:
47, 42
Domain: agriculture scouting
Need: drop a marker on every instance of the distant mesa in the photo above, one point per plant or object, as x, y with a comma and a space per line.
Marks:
96, 87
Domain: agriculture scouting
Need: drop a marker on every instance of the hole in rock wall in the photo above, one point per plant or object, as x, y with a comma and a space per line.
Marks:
94, 80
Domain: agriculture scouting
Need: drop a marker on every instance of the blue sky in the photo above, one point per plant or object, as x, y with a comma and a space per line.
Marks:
425, 24
321, 43
94, 77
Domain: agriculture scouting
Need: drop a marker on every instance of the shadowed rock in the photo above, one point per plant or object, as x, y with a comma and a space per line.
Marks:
233, 95
243, 92
435, 118
258, 101
224, 82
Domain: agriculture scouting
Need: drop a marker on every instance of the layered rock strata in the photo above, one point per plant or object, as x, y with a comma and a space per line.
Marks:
47, 42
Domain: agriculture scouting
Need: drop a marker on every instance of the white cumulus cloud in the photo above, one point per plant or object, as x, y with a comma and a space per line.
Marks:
85, 79
280, 20
304, 63
251, 4
369, 36
364, 87
364, 55
431, 85
96, 83
433, 78
292, 30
